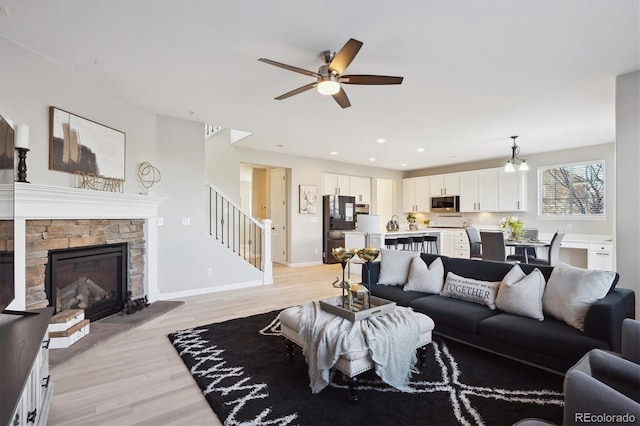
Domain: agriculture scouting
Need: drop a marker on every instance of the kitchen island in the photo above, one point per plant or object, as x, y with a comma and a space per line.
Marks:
356, 239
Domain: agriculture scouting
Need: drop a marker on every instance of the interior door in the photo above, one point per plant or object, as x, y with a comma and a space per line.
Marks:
279, 216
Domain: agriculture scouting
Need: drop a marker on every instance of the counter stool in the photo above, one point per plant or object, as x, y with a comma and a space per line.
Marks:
418, 243
432, 243
406, 242
391, 242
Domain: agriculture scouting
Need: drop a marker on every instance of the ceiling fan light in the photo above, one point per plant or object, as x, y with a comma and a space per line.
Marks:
509, 167
328, 87
523, 166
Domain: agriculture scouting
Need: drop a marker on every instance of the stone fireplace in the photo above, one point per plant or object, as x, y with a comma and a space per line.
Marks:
62, 241
50, 219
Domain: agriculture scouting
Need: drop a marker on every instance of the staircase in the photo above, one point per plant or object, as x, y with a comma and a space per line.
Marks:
240, 233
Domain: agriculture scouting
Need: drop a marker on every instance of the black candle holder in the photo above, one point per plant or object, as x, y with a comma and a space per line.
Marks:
22, 165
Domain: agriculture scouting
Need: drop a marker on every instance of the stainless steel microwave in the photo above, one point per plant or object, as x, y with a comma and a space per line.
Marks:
444, 204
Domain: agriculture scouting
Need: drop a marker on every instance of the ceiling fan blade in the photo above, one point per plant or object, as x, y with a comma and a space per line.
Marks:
342, 99
297, 91
370, 79
289, 67
344, 57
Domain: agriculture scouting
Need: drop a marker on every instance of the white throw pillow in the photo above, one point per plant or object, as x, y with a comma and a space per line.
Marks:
427, 279
482, 292
571, 291
394, 266
521, 294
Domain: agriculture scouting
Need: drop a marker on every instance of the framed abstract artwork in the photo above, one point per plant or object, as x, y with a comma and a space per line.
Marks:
79, 145
308, 199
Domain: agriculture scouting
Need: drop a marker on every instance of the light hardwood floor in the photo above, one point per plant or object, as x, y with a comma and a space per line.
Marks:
137, 378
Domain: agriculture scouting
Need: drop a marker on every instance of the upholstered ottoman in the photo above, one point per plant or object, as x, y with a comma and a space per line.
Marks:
353, 363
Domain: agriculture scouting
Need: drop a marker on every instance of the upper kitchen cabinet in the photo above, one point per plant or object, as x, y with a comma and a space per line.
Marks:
479, 191
334, 184
512, 191
360, 187
415, 194
448, 184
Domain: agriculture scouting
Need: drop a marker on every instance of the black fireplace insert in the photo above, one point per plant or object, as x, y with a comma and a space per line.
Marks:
92, 278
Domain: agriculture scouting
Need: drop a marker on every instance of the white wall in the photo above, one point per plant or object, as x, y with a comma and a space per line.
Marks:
223, 169
30, 84
184, 252
628, 181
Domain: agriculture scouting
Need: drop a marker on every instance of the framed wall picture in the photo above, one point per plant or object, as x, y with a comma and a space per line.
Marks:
308, 199
77, 144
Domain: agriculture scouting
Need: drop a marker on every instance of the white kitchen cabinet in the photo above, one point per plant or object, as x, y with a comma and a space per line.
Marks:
512, 191
479, 191
600, 257
415, 194
455, 243
460, 244
360, 187
335, 184
448, 184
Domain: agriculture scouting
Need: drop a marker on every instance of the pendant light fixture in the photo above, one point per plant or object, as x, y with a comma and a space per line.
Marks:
514, 160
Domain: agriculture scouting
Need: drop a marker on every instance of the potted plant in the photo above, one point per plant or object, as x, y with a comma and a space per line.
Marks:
411, 220
513, 226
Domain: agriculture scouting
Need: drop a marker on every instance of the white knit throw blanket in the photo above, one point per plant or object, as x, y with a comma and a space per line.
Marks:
390, 339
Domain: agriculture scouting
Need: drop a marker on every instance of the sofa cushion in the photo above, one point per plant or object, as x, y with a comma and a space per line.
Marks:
454, 313
489, 271
395, 293
521, 294
551, 337
394, 266
571, 291
427, 279
471, 290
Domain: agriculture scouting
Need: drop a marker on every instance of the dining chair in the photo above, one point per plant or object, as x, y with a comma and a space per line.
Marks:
554, 251
493, 247
518, 252
475, 247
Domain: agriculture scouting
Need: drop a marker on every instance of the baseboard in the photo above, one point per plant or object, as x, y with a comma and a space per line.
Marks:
208, 290
304, 264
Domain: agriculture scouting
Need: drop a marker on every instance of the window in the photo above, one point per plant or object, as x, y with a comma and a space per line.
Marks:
571, 190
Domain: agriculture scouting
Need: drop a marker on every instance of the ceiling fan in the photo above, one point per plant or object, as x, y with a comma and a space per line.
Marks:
329, 78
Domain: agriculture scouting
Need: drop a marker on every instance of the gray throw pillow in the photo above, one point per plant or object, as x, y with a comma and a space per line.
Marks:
394, 266
571, 291
521, 294
427, 279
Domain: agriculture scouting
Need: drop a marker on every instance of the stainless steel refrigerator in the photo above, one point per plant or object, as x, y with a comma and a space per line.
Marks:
338, 215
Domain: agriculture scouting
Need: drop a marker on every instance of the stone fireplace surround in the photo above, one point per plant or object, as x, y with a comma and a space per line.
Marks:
48, 217
45, 235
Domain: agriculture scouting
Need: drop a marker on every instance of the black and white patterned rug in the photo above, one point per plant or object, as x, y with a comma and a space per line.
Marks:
242, 369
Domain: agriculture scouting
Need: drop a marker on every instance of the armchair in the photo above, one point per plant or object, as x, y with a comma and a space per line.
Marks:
603, 387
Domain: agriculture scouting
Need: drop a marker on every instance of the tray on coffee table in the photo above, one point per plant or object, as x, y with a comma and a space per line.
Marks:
378, 307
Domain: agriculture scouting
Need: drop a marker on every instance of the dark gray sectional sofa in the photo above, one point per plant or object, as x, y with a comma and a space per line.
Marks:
551, 344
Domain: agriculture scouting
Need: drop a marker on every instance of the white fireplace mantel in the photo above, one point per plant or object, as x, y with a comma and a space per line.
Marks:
34, 202
55, 202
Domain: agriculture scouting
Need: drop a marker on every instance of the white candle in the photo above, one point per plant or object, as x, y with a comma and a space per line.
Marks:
22, 136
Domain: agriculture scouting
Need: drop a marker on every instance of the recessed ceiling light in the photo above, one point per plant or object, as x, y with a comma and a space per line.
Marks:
381, 140
405, 165
420, 149
280, 145
372, 159
452, 156
334, 152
